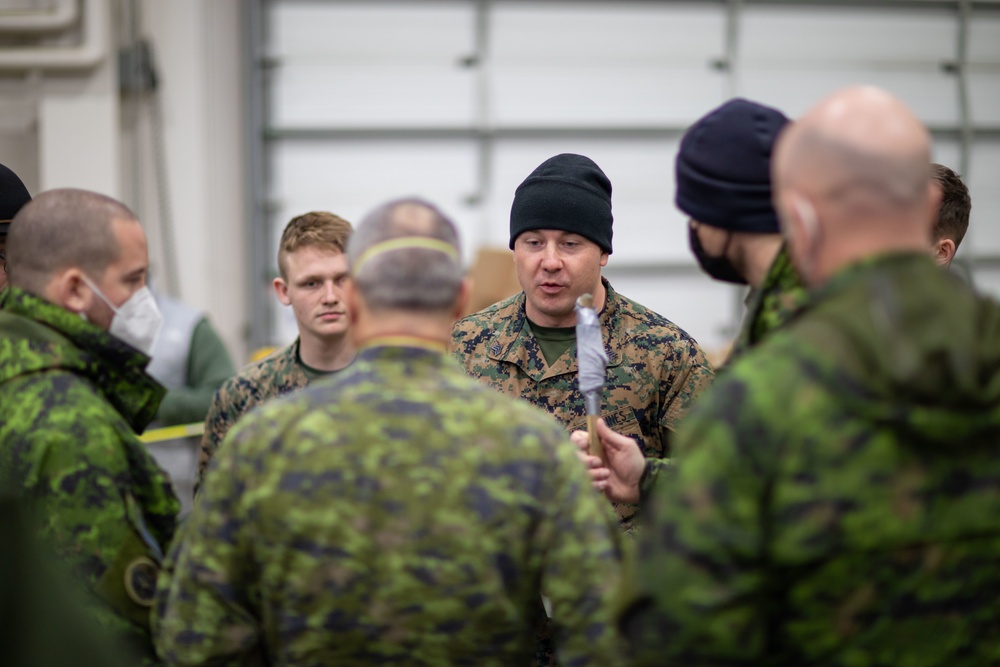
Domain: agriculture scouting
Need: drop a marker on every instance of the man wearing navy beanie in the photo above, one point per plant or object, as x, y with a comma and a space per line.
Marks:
525, 346
13, 195
723, 173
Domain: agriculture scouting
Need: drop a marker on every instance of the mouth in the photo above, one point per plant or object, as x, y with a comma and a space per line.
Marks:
330, 317
551, 288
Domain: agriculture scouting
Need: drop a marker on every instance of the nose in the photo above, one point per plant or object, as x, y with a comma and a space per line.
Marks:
331, 294
551, 261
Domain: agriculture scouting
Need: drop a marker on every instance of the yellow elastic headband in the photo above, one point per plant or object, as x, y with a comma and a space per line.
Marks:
405, 242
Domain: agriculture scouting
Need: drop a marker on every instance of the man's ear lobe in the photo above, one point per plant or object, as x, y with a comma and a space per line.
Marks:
69, 290
281, 290
944, 251
805, 218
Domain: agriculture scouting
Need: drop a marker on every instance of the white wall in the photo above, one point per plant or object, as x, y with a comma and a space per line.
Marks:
197, 44
618, 81
69, 127
458, 101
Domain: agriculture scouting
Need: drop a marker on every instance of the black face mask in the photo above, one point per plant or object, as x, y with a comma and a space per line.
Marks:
720, 267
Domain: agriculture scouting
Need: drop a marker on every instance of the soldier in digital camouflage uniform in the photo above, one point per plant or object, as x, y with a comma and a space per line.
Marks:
38, 600
952, 215
723, 183
837, 492
313, 268
399, 513
74, 395
525, 346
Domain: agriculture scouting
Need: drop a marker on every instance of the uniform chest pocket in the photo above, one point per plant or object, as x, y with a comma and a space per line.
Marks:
621, 421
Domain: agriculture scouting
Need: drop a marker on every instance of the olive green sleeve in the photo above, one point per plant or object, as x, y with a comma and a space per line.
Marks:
209, 365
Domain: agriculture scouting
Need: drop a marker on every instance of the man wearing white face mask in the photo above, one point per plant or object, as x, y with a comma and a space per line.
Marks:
74, 335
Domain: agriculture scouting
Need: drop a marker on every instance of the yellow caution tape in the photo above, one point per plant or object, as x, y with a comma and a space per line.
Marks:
172, 432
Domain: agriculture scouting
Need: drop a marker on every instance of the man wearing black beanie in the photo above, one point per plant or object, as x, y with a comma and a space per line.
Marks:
560, 232
723, 172
13, 195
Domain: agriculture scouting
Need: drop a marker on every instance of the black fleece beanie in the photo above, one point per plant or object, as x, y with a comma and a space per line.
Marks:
724, 167
567, 192
13, 195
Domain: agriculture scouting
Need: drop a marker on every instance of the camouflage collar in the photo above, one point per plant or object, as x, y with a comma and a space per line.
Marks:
513, 342
863, 269
778, 298
63, 340
400, 348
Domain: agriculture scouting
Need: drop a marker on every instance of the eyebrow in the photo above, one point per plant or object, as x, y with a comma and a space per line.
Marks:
315, 277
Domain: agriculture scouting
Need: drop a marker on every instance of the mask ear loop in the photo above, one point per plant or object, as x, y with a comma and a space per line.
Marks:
99, 293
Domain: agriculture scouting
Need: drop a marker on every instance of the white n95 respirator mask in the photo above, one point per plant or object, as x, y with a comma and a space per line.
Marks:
137, 321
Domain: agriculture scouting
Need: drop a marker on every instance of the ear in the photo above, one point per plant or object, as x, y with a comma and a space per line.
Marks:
68, 290
800, 224
462, 300
281, 291
604, 259
944, 251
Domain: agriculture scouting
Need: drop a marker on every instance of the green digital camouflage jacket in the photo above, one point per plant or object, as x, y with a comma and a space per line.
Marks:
43, 612
654, 371
837, 495
778, 298
273, 376
400, 513
73, 398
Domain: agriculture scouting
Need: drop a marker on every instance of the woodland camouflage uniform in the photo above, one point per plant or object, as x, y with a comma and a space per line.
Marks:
654, 371
837, 494
38, 600
279, 373
769, 306
400, 513
73, 399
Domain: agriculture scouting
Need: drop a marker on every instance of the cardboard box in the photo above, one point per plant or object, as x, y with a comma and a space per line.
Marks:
493, 278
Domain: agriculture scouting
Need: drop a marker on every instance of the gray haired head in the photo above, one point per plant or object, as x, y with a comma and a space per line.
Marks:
405, 255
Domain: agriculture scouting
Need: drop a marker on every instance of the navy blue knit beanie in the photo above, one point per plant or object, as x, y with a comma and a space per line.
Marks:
567, 192
723, 167
13, 195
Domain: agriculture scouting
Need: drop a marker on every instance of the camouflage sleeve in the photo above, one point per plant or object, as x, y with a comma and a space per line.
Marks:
202, 612
208, 367
582, 567
222, 414
700, 575
691, 374
41, 600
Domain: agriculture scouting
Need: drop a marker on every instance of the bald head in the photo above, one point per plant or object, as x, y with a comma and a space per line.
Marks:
851, 179
405, 256
861, 145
